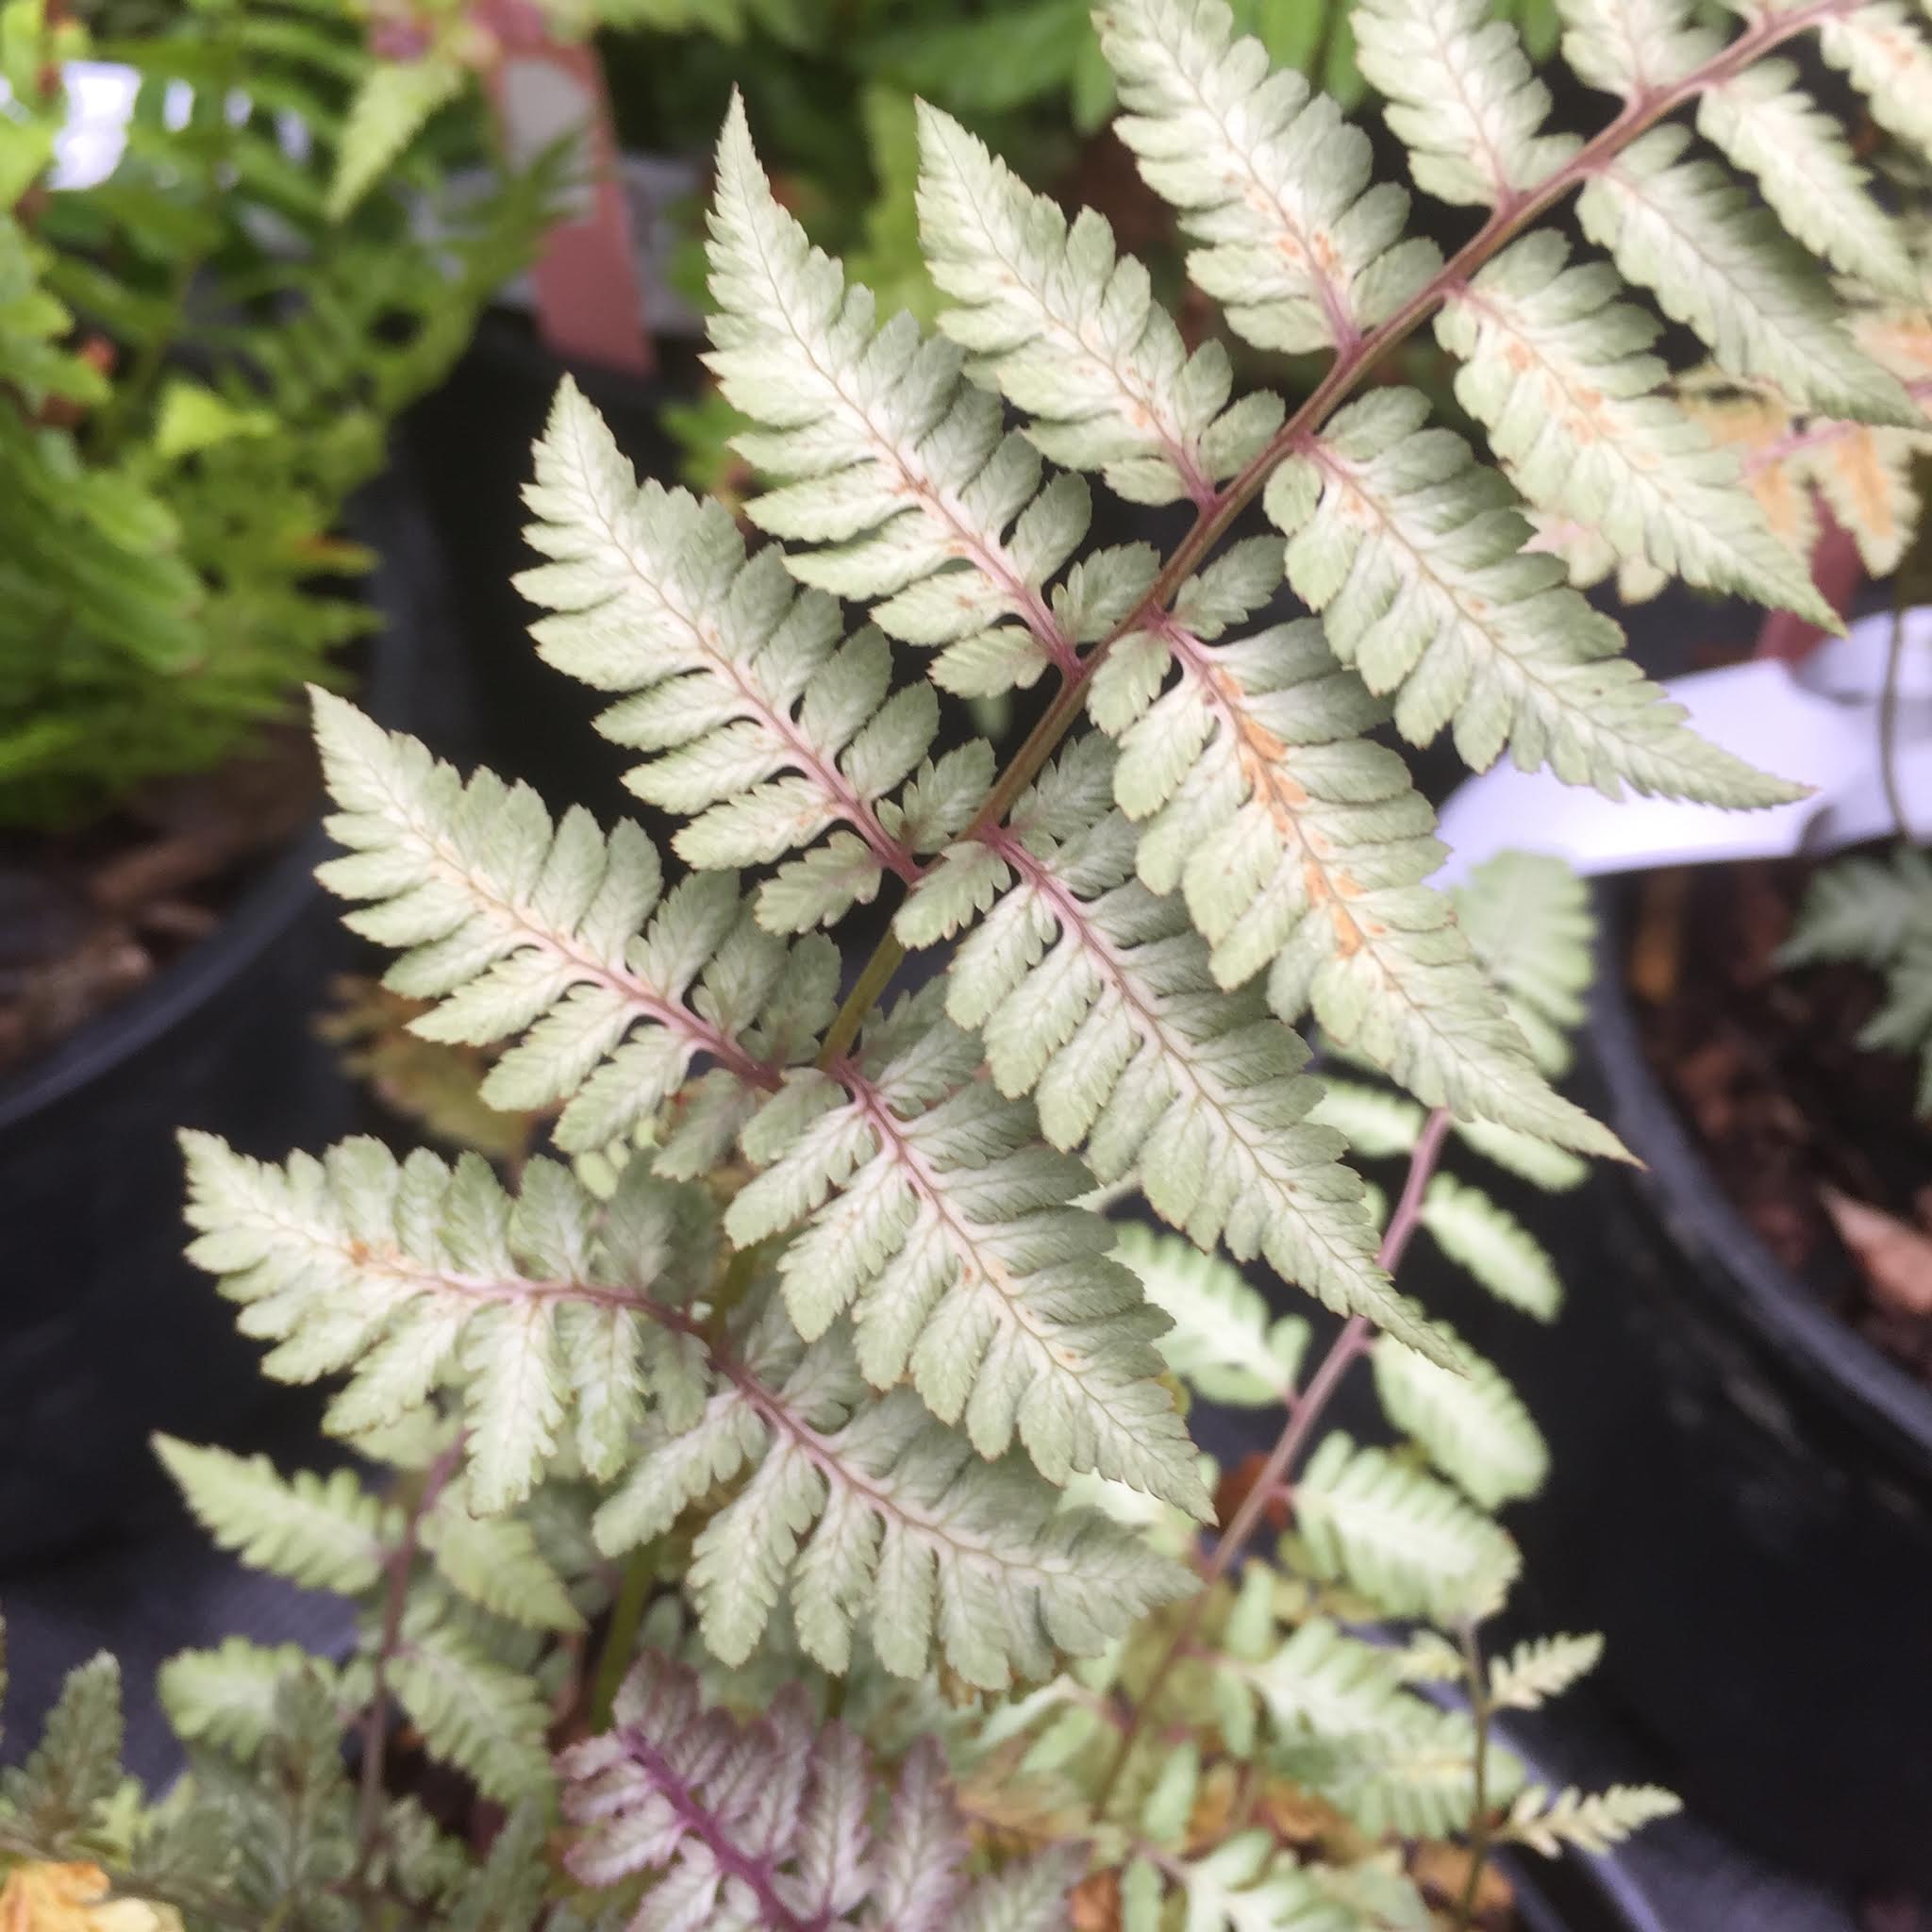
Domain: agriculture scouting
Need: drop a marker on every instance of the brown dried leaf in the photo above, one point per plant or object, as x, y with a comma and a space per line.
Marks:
1895, 1257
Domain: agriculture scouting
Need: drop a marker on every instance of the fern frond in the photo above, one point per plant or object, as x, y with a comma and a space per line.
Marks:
1877, 912
495, 1562
864, 1511
1226, 1341
324, 1533
1297, 844
1530, 926
560, 1314
1592, 1822
888, 460
393, 103
1417, 1781
1540, 1667
1764, 123
1471, 1425
1299, 249
51, 1802
780, 1822
1719, 263
1877, 48
1496, 1250
516, 926
1321, 1682
1070, 333
1376, 1124
474, 1713
1098, 998
1461, 96
1557, 370
1407, 1541
1246, 1883
767, 728
1414, 555
952, 1237
1627, 47
226, 1697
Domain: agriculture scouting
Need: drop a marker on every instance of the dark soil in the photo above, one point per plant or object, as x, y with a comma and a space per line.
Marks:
1765, 1066
88, 917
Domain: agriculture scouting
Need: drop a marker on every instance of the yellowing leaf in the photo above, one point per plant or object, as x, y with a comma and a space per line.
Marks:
74, 1898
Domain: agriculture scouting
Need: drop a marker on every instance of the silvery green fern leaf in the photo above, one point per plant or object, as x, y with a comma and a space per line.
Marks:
897, 469
515, 925
473, 1712
780, 1822
951, 1237
1887, 60
1414, 1782
1299, 249
1414, 555
1300, 847
1496, 1250
1540, 1667
767, 728
1462, 98
1409, 1542
1226, 1341
862, 1511
1097, 997
1719, 263
1069, 332
321, 1532
1557, 370
561, 1313
1769, 126
1594, 1822
1469, 1422
1247, 1883
1628, 47
1529, 921
225, 1698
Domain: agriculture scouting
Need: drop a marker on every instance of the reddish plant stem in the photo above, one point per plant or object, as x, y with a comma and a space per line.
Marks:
402, 1560
1305, 1410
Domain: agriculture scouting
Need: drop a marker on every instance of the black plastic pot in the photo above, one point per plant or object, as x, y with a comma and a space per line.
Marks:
1740, 1496
106, 1332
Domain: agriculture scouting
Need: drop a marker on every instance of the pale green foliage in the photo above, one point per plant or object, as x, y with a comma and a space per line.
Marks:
1765, 122
1225, 1341
951, 1236
1462, 97
1718, 262
1887, 59
1300, 847
1493, 1245
226, 1697
1300, 249
1471, 1425
560, 1318
1409, 1542
1414, 554
496, 1564
1529, 923
1096, 996
867, 1512
782, 1823
392, 103
519, 927
766, 725
1878, 913
1070, 332
1592, 1822
1541, 1668
324, 1533
1559, 372
482, 1715
901, 472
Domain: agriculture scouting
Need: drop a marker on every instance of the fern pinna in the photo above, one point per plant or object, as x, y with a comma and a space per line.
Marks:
818, 1328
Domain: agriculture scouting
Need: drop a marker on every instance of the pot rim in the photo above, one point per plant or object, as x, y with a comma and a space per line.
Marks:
1881, 1399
